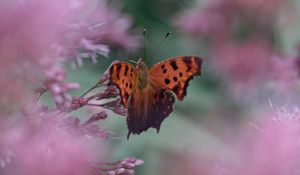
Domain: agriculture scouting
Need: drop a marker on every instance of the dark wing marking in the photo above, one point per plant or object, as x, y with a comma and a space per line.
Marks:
175, 73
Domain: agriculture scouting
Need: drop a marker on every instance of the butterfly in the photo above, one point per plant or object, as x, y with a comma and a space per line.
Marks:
148, 94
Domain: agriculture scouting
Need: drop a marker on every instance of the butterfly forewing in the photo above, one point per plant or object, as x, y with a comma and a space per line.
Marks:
124, 76
175, 73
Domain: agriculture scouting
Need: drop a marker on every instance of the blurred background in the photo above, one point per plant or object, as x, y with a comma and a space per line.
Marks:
240, 117
250, 51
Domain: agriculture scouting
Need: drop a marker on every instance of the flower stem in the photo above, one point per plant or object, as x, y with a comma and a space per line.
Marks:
99, 84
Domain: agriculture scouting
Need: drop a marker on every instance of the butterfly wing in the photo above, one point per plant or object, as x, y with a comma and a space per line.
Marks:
148, 108
124, 76
175, 73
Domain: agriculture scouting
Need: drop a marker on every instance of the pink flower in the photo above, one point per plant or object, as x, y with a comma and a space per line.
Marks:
195, 22
218, 18
38, 35
240, 34
111, 27
40, 146
246, 64
271, 146
64, 31
267, 144
36, 38
285, 72
124, 166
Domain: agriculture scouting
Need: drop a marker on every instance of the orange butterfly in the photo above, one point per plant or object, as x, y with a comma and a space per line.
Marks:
146, 93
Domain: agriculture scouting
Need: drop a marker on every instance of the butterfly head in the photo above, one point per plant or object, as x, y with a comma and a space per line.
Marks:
141, 64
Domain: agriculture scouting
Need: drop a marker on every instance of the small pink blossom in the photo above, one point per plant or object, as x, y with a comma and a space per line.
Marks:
77, 102
98, 116
57, 87
124, 166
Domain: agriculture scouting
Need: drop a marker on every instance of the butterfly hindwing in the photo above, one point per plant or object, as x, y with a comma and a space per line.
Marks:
175, 73
148, 108
162, 106
124, 76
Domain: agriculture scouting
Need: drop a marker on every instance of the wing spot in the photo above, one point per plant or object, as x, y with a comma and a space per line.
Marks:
167, 81
174, 65
126, 70
163, 66
131, 74
180, 74
118, 67
165, 71
175, 78
130, 86
126, 84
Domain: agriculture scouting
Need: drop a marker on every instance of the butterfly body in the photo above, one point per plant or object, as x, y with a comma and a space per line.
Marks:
148, 94
143, 74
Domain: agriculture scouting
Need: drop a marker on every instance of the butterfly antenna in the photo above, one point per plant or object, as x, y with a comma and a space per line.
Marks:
144, 37
135, 62
160, 44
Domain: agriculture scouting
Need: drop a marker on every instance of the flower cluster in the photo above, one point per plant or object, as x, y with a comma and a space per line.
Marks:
241, 36
270, 146
39, 144
124, 166
267, 145
37, 37
226, 15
